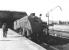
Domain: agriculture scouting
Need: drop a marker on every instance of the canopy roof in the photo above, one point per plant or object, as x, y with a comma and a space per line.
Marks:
11, 15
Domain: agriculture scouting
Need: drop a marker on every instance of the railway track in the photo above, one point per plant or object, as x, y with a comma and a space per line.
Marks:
59, 33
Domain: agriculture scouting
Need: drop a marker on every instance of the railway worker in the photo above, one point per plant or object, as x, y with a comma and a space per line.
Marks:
5, 29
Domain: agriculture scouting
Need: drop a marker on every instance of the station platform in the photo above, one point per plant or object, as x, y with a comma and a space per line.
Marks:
14, 41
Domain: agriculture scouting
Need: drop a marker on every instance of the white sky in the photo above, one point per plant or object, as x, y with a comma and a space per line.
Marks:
39, 6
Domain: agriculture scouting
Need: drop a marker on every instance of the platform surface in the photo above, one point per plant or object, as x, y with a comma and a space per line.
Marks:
15, 41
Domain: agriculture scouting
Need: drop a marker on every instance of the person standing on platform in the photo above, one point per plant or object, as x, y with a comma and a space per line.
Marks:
5, 29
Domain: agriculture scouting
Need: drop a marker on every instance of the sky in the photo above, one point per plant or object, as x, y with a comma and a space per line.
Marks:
39, 7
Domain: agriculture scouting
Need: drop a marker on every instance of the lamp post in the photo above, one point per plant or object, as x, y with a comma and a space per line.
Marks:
48, 14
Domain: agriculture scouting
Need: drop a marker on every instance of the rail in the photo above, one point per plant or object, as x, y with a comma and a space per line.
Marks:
60, 31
